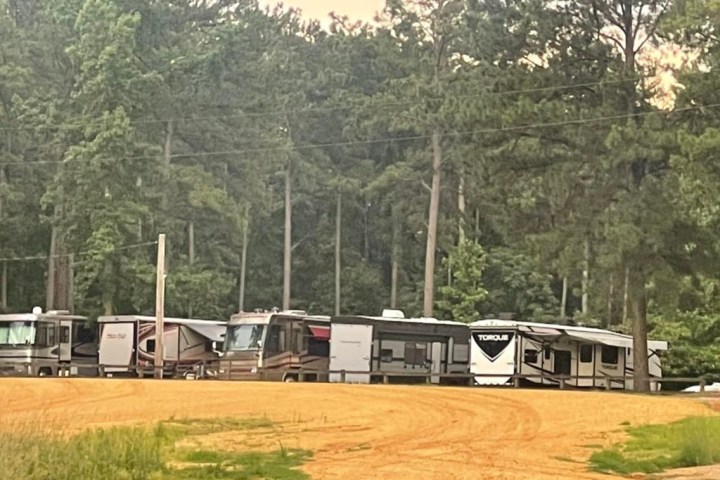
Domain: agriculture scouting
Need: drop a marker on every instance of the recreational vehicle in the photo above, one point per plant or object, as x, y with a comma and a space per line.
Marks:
37, 344
275, 346
506, 348
127, 344
393, 344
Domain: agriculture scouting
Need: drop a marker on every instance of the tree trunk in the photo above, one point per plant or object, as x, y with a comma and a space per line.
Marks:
563, 301
191, 257
191, 242
611, 292
395, 267
71, 284
461, 206
3, 280
50, 295
429, 289
139, 184
626, 294
167, 157
287, 260
586, 277
243, 260
366, 230
641, 371
338, 232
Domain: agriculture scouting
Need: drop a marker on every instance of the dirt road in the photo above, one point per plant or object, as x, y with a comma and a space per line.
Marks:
368, 432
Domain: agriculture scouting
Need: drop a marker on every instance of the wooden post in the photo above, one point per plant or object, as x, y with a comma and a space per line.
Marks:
702, 385
160, 308
342, 376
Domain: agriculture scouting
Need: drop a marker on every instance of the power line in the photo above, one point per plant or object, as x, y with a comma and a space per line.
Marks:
80, 254
331, 108
514, 128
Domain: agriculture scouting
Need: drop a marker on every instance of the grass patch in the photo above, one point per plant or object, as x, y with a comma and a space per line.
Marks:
142, 453
690, 442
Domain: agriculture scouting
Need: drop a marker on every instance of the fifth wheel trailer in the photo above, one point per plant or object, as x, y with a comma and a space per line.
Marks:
127, 344
506, 348
395, 345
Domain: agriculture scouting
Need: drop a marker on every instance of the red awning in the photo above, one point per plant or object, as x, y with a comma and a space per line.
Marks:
321, 333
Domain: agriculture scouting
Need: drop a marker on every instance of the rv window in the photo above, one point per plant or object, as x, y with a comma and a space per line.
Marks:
415, 353
297, 340
531, 355
243, 337
586, 353
386, 355
610, 355
150, 346
16, 333
45, 335
276, 339
547, 351
64, 334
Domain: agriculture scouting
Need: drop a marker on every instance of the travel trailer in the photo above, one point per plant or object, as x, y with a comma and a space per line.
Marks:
37, 344
505, 348
277, 345
127, 344
395, 344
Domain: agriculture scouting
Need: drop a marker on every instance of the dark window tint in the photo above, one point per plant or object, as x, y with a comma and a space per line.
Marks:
586, 353
610, 355
531, 355
150, 346
64, 334
415, 353
547, 352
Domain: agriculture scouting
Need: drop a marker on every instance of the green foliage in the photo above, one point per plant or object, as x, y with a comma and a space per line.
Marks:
140, 453
462, 299
690, 442
694, 340
515, 283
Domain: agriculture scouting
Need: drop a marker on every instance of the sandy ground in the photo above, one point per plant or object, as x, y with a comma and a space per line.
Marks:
368, 432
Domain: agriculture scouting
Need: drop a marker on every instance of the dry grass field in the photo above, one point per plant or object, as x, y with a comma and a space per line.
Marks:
365, 432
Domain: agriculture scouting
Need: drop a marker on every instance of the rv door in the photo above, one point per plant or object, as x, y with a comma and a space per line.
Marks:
65, 343
350, 350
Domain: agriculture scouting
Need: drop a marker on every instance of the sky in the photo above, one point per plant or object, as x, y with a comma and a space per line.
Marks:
319, 9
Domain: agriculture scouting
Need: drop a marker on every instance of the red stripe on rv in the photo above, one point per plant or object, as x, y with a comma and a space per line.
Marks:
321, 333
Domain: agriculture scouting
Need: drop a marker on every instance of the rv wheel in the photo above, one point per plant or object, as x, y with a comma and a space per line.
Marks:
44, 372
289, 378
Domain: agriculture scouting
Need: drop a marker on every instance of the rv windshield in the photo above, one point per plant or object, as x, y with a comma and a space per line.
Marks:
244, 337
16, 333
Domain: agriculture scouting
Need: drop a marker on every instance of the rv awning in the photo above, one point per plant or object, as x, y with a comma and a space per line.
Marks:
321, 333
214, 333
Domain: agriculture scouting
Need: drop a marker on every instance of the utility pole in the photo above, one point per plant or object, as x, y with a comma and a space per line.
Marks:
160, 308
338, 251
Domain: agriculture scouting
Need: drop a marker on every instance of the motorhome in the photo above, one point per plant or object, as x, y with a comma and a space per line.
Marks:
275, 345
503, 348
127, 344
39, 344
393, 344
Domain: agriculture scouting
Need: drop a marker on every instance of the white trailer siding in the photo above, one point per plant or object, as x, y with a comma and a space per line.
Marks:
555, 351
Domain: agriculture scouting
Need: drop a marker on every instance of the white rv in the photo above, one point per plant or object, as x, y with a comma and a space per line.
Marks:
38, 344
127, 344
393, 344
505, 348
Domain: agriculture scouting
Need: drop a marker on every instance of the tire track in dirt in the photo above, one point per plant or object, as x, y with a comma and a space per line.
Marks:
369, 432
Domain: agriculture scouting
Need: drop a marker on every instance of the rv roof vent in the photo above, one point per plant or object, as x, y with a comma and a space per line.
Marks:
58, 312
37, 310
296, 312
389, 313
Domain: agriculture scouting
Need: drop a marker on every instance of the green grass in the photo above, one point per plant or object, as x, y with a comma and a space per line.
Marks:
690, 442
139, 453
